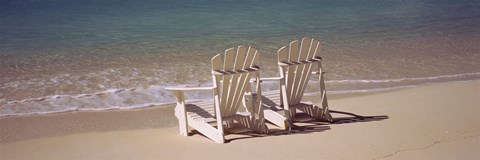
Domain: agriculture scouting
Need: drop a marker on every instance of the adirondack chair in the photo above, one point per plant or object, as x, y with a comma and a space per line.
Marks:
231, 74
295, 65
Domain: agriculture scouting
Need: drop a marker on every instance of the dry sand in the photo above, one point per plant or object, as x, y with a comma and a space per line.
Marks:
439, 121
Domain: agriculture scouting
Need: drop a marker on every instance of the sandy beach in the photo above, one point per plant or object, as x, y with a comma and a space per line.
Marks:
437, 121
89, 79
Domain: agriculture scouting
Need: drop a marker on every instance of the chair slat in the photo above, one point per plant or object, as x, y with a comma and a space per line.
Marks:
300, 69
293, 71
229, 59
303, 82
217, 62
227, 66
304, 49
235, 87
317, 50
240, 57
242, 81
256, 56
233, 94
314, 44
283, 54
302, 74
249, 58
217, 67
298, 76
289, 77
293, 51
313, 48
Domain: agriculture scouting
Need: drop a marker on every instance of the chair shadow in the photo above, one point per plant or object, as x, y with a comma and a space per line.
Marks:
355, 118
306, 126
305, 129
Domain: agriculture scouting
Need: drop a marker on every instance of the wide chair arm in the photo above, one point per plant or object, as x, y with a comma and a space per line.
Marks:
180, 109
271, 79
267, 79
186, 88
178, 91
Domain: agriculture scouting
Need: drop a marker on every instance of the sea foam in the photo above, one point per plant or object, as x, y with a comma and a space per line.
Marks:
154, 95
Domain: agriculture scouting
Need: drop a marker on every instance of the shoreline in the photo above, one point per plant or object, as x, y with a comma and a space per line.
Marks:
331, 93
415, 128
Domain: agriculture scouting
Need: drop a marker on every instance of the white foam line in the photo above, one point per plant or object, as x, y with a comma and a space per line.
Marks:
115, 90
144, 105
39, 99
108, 91
381, 89
70, 96
402, 79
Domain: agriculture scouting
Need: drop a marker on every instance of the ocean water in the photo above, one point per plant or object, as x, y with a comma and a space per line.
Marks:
64, 55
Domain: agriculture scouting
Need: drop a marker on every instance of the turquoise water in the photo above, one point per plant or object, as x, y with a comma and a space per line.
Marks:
61, 55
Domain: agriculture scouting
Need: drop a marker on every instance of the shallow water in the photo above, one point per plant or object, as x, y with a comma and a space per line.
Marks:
61, 55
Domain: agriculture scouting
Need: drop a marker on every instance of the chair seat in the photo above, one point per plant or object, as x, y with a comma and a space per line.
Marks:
201, 110
270, 100
205, 111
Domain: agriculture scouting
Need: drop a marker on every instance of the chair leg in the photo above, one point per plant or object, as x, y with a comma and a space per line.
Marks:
320, 114
229, 123
258, 125
207, 130
292, 112
254, 124
276, 119
182, 120
181, 113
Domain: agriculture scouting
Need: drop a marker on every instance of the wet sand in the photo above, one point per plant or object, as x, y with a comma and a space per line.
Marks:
438, 121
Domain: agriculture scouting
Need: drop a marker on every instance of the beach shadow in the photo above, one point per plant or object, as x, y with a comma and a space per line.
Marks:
353, 118
40, 126
238, 132
304, 125
304, 129
296, 129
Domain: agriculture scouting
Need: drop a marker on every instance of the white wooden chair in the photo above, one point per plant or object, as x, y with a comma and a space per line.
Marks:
231, 74
296, 64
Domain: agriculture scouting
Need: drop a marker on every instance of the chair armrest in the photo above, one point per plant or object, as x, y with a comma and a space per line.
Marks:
271, 79
268, 79
178, 92
185, 88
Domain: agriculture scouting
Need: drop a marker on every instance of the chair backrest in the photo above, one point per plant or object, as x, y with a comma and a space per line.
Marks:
232, 72
296, 64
